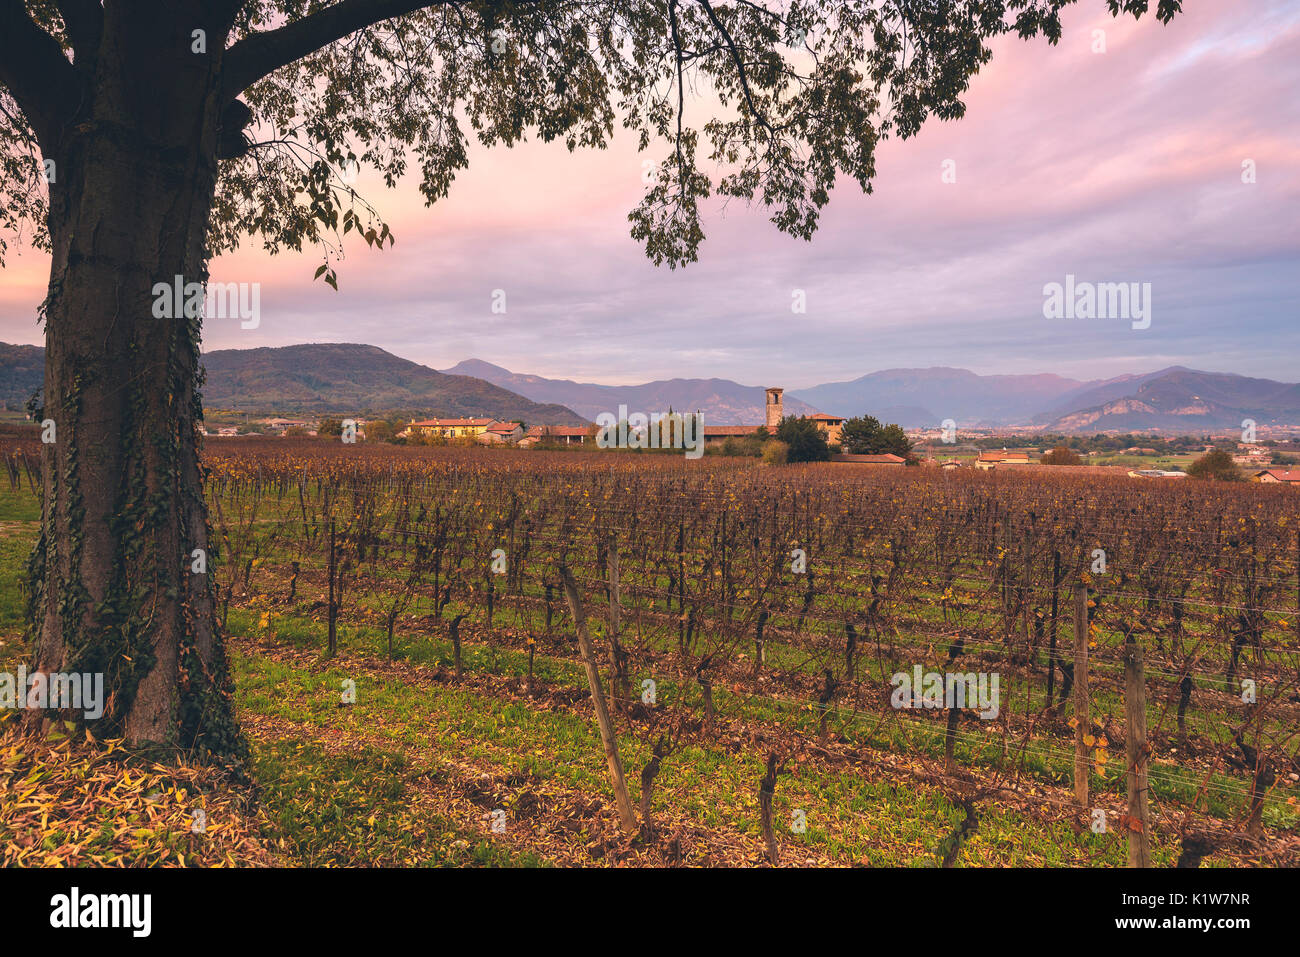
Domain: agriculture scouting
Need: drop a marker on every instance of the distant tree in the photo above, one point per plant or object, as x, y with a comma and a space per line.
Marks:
804, 441
775, 452
1281, 458
894, 441
1062, 455
860, 435
295, 432
864, 435
330, 426
380, 430
1217, 466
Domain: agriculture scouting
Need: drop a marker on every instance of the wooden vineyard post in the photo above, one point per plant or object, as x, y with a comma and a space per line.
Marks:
617, 658
1082, 709
613, 592
598, 701
332, 611
1051, 652
1135, 743
766, 789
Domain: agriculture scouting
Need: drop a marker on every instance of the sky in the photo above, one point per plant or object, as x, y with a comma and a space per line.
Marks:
1119, 166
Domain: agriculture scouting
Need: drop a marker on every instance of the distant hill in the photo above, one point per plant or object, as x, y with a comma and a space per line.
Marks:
944, 393
1181, 398
359, 379
722, 401
318, 379
22, 372
339, 377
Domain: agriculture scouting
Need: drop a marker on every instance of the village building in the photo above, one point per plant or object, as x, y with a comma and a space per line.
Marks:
715, 434
1284, 476
282, 425
502, 433
774, 412
987, 461
1251, 459
449, 428
557, 435
1156, 473
832, 425
887, 458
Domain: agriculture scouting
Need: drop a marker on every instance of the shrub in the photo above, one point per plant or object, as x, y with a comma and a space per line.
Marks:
1062, 455
775, 452
1217, 466
804, 441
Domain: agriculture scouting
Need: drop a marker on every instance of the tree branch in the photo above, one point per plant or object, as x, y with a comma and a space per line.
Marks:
261, 54
35, 71
739, 61
84, 21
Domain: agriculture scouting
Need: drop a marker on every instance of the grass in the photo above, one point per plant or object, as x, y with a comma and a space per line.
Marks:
396, 778
355, 809
854, 816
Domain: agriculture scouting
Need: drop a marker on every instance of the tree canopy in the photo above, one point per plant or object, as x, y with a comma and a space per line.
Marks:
864, 435
804, 441
1062, 455
1216, 465
308, 92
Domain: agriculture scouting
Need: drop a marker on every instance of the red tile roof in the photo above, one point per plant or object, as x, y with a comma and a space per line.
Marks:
823, 417
1282, 475
887, 458
450, 423
558, 430
1002, 456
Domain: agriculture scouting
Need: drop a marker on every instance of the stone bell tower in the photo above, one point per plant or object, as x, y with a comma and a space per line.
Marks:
775, 410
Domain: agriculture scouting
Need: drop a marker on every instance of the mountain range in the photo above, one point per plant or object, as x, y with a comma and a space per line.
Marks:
1175, 398
361, 379
722, 401
340, 378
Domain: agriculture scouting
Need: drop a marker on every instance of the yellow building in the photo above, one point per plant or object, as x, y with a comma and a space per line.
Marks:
986, 461
451, 428
832, 425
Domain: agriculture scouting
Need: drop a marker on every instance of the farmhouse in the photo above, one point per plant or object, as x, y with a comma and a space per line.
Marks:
987, 461
282, 425
502, 432
885, 459
1156, 473
450, 428
487, 431
1291, 477
556, 435
713, 434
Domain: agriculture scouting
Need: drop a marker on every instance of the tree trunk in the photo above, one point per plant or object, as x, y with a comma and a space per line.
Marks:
112, 588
